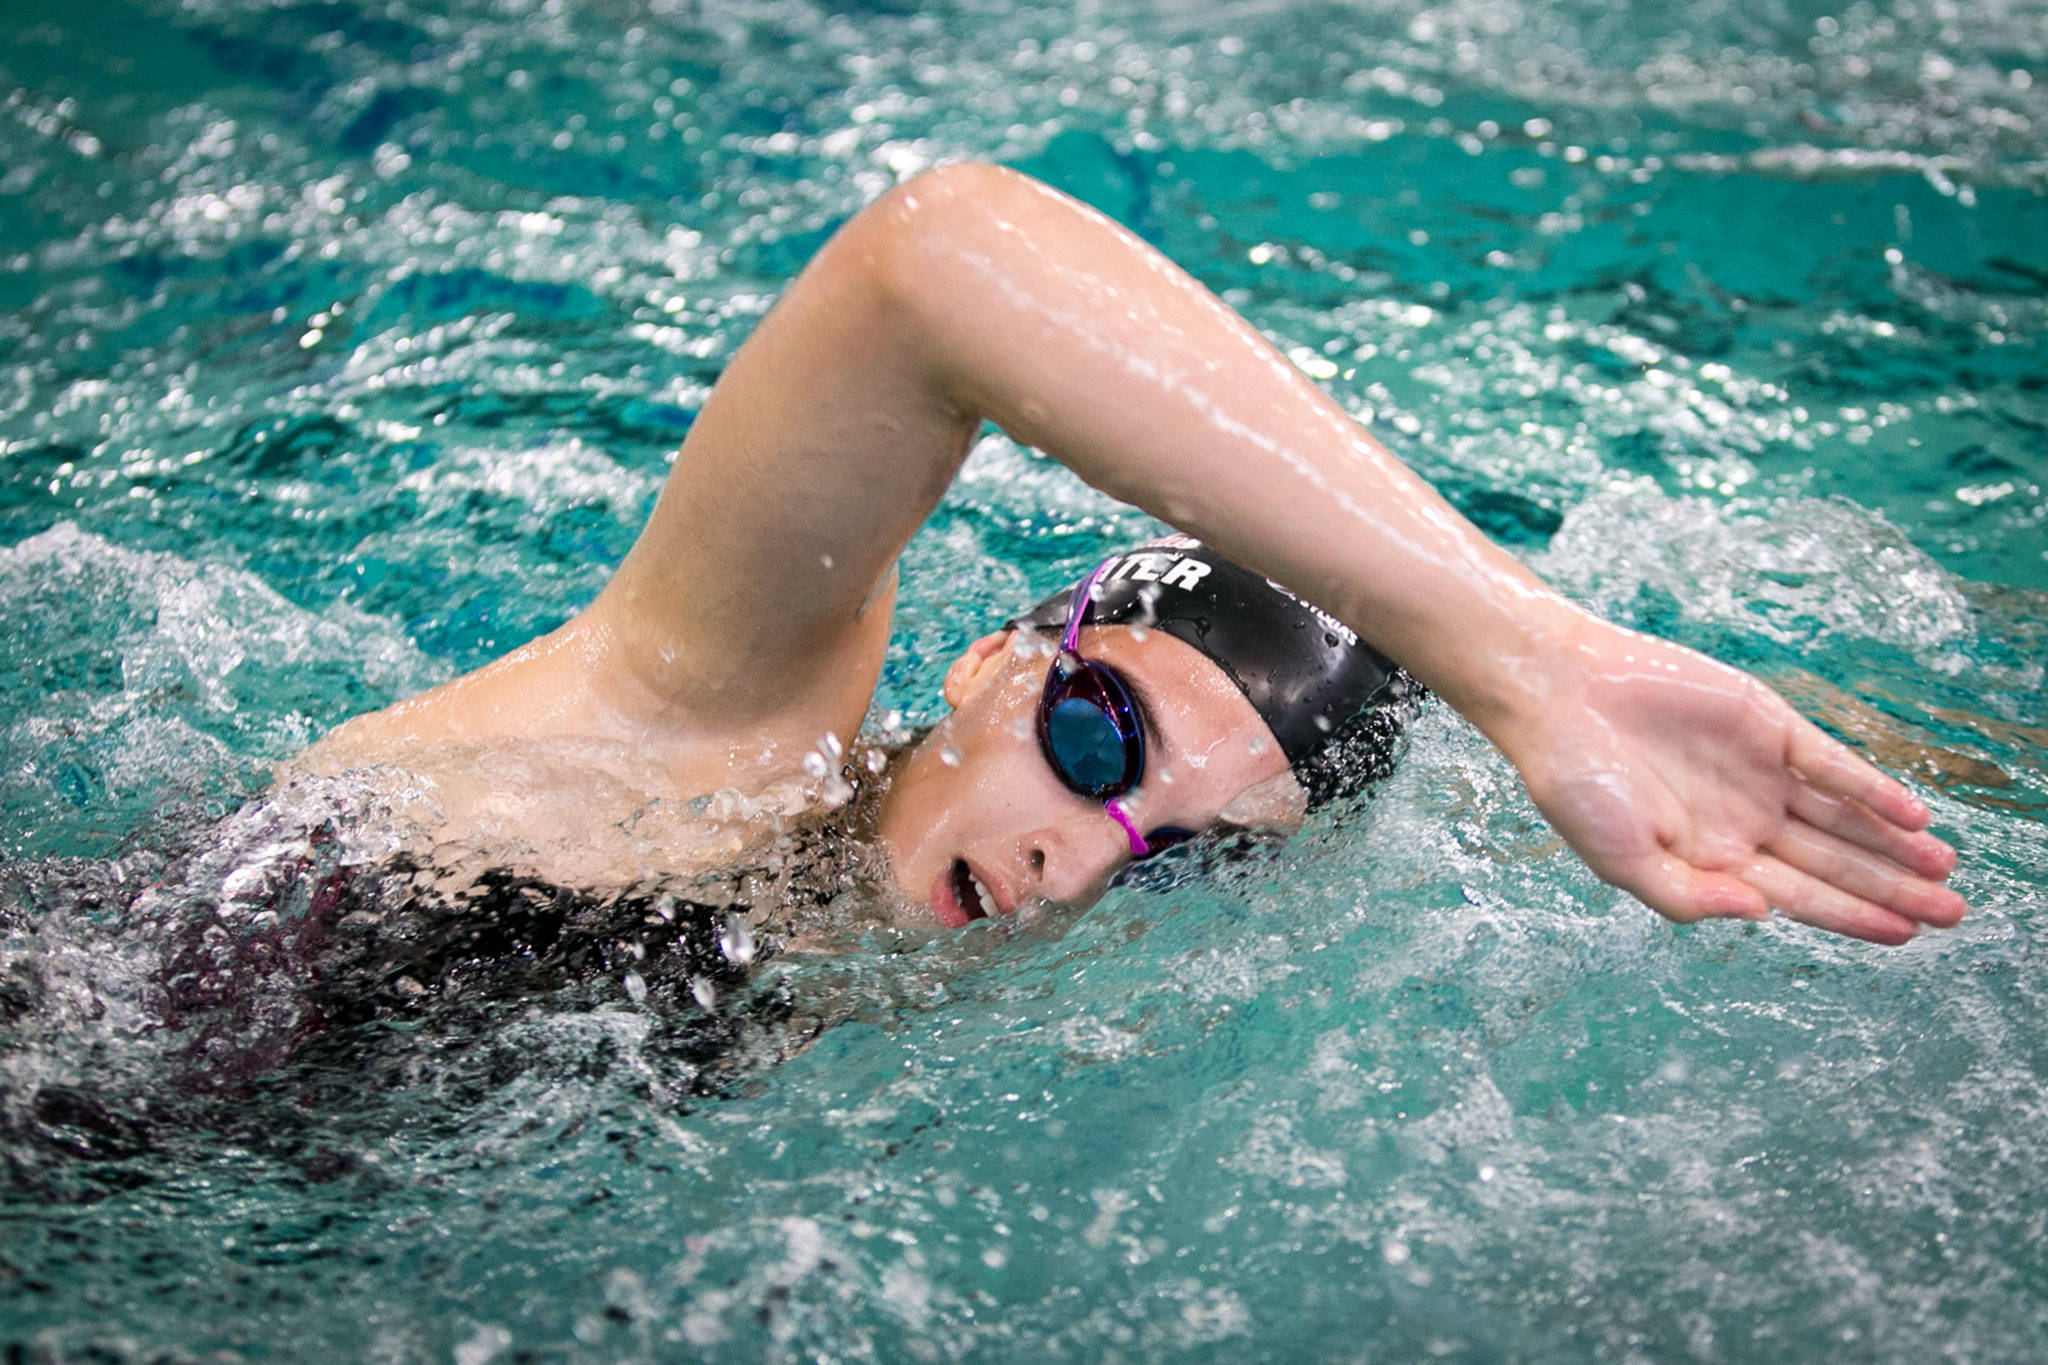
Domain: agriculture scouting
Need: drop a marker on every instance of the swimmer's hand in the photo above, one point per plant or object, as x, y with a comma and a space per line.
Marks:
1701, 792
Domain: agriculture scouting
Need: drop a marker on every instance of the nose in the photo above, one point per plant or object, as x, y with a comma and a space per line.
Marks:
1075, 857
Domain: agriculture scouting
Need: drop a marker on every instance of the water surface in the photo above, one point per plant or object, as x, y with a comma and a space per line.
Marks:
345, 345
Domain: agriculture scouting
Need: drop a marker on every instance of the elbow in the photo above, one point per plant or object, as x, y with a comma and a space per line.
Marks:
925, 267
918, 236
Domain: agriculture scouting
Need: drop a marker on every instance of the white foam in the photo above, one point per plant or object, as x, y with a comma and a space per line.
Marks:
138, 678
1807, 570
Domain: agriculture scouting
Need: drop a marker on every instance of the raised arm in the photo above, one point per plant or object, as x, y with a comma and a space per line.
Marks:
1687, 783
752, 613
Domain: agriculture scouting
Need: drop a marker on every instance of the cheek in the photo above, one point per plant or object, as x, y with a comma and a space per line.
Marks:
980, 759
1206, 775
1234, 760
1007, 777
989, 777
1001, 725
1003, 785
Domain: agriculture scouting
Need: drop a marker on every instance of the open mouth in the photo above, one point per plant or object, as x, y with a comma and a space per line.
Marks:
973, 897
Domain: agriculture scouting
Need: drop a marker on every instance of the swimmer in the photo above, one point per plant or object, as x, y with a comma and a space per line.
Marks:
1166, 694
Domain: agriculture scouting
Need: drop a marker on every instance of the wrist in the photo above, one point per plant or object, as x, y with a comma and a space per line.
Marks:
1510, 681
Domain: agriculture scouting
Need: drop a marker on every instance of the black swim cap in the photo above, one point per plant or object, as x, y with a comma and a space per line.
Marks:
1330, 699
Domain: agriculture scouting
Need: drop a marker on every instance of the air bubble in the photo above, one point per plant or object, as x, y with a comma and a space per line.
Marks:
950, 756
636, 987
815, 764
1323, 724
1257, 744
703, 991
831, 747
876, 761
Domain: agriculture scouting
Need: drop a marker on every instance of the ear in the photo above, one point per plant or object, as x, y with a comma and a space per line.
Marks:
978, 663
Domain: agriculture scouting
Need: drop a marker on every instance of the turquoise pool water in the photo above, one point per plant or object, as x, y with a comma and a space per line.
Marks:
344, 345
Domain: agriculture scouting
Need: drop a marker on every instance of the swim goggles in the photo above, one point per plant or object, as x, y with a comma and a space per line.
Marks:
1089, 730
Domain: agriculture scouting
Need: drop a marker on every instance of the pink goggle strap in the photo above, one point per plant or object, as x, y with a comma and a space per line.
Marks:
1077, 608
1139, 847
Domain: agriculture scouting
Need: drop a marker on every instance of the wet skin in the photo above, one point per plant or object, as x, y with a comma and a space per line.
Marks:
975, 809
975, 295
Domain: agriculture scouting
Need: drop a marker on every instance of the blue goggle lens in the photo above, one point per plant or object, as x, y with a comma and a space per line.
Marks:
1086, 745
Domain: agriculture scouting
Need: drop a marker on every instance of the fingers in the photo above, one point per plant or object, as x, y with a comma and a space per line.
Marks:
1681, 892
1812, 901
1851, 820
1834, 769
1867, 876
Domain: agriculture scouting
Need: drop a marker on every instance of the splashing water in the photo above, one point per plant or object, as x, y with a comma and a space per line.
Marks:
345, 346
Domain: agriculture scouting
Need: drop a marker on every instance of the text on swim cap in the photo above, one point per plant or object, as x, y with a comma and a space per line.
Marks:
1177, 572
1329, 622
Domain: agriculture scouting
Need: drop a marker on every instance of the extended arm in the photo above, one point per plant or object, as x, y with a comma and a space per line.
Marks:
1685, 782
752, 612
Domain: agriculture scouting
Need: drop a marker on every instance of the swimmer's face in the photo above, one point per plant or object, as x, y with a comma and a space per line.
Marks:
976, 822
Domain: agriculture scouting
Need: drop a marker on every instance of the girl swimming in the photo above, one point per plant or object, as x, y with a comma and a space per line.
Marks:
745, 631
